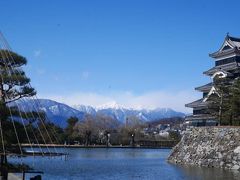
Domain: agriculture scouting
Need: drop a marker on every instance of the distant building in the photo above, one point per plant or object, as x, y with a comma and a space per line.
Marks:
227, 63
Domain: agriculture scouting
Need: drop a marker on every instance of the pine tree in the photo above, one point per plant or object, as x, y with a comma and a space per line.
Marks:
69, 131
235, 102
225, 102
14, 85
219, 100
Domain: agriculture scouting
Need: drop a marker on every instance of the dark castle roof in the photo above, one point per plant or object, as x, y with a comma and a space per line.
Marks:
205, 88
235, 42
230, 48
224, 67
198, 103
225, 52
199, 117
231, 45
233, 39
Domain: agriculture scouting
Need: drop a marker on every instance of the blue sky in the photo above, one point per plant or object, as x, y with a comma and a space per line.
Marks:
139, 53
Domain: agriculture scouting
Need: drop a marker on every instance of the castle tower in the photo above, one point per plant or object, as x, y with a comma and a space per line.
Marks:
227, 63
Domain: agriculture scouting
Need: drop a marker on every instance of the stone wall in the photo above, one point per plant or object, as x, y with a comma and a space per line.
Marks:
209, 146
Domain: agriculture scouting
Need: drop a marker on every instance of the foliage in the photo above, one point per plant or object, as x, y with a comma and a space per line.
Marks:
48, 132
235, 103
69, 131
225, 102
97, 130
14, 85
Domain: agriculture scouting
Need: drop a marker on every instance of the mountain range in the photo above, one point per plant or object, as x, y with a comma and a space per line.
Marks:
58, 113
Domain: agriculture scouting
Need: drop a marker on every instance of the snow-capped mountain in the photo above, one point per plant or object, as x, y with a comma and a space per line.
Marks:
121, 113
58, 113
85, 109
111, 105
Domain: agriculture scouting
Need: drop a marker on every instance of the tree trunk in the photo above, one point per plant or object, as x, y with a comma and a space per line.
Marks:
3, 169
220, 110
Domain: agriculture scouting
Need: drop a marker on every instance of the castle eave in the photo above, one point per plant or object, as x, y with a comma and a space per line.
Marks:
198, 103
230, 46
225, 67
200, 117
218, 54
205, 88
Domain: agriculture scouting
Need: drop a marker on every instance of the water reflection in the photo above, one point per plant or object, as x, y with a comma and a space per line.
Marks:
204, 173
111, 164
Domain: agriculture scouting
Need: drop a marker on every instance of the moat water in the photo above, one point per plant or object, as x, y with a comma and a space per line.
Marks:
120, 163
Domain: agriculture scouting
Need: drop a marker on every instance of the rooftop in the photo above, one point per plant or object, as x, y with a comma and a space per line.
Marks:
198, 103
199, 117
233, 40
224, 67
205, 88
231, 45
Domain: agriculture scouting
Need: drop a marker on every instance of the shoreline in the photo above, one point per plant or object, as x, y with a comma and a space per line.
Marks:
92, 146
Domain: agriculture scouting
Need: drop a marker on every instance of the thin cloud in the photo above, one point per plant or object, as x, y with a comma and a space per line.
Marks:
149, 100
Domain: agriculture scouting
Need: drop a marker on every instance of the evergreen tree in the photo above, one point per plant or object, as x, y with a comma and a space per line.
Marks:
69, 131
14, 85
235, 102
225, 102
219, 100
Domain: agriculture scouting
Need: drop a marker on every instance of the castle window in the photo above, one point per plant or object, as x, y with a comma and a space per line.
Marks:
226, 61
